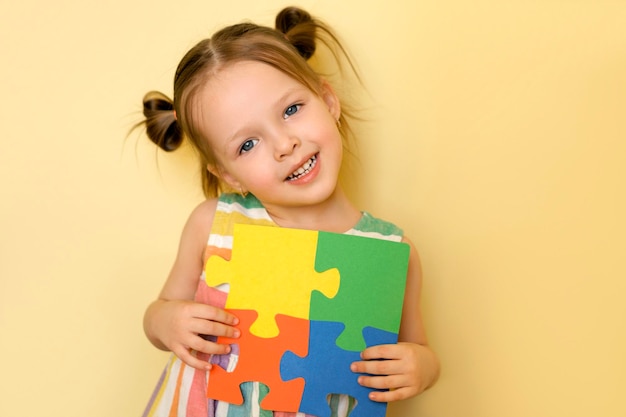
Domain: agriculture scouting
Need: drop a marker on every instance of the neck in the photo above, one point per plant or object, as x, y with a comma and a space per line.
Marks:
336, 214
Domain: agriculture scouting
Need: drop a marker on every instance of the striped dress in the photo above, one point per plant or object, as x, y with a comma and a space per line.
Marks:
181, 390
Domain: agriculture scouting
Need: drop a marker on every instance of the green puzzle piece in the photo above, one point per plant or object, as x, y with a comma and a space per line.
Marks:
371, 290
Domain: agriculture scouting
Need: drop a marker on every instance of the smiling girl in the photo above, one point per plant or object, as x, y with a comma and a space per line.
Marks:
271, 134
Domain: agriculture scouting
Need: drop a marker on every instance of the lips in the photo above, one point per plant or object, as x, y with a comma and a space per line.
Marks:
304, 169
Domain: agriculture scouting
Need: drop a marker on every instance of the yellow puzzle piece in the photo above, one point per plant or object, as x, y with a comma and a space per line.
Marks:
260, 252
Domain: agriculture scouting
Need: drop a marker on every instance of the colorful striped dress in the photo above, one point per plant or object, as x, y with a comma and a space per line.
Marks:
181, 390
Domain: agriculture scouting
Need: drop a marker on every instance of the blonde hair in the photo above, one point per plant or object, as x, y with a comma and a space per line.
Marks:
286, 48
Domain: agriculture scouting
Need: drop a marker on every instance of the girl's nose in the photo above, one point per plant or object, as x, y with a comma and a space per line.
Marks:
285, 147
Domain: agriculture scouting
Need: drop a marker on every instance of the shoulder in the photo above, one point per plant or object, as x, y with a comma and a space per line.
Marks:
198, 226
183, 277
217, 215
414, 254
371, 226
414, 273
202, 215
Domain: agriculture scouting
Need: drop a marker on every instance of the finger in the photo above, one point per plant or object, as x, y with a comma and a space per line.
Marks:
382, 352
377, 367
204, 311
189, 359
211, 348
382, 382
392, 395
213, 328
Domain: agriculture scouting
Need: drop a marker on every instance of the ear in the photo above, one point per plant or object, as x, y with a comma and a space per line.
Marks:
331, 100
223, 175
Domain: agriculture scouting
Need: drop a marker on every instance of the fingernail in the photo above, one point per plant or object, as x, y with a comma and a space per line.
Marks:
237, 333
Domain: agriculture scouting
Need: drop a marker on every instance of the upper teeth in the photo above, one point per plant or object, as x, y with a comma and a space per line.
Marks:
304, 169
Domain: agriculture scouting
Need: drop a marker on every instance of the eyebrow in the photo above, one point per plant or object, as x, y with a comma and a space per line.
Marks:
289, 92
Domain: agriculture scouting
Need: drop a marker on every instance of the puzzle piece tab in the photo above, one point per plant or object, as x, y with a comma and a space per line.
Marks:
272, 271
326, 370
371, 293
259, 360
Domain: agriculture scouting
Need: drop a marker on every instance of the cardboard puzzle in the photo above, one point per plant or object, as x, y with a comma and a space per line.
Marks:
308, 303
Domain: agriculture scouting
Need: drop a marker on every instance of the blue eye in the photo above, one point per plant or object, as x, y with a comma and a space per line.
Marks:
291, 110
248, 145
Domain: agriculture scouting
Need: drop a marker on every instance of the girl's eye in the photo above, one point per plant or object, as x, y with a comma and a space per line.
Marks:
291, 110
248, 145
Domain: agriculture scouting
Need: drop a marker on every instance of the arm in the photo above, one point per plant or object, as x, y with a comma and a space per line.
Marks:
411, 366
174, 321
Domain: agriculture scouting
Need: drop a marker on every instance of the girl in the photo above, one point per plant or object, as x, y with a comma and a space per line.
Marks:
271, 134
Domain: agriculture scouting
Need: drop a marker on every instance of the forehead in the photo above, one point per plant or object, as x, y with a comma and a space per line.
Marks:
239, 95
245, 79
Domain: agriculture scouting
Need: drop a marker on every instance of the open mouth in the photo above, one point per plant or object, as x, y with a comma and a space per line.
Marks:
304, 169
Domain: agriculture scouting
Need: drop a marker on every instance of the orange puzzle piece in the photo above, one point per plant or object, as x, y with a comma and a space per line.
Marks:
283, 395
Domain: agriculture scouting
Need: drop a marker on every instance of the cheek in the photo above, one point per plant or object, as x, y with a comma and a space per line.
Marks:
262, 186
337, 141
256, 173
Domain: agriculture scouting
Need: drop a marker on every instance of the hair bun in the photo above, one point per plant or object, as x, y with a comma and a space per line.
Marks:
299, 29
161, 125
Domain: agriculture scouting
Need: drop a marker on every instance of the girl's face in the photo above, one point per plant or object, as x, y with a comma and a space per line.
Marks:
271, 135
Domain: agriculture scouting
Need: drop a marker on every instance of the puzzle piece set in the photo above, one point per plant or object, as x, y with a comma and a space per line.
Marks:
308, 303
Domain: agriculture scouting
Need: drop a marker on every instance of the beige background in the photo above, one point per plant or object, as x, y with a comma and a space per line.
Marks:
499, 125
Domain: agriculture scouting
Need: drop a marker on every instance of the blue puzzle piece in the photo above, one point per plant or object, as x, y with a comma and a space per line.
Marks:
326, 370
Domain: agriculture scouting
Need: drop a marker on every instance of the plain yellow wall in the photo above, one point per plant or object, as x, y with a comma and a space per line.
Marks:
500, 125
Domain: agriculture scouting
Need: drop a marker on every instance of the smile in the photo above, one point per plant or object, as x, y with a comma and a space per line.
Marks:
304, 169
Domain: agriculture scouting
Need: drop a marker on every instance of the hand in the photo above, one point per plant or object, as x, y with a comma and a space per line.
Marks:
180, 326
404, 370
